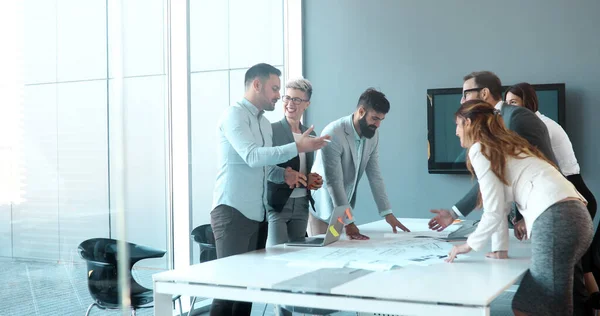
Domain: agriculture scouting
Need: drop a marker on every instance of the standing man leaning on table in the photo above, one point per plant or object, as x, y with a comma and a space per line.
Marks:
354, 150
246, 160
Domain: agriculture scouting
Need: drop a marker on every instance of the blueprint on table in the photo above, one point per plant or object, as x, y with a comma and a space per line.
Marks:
389, 253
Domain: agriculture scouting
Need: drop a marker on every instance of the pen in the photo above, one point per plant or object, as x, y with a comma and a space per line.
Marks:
327, 140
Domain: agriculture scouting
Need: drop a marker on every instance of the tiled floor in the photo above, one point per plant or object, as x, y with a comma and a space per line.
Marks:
44, 288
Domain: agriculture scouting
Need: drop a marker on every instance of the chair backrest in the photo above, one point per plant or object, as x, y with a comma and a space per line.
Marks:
205, 238
100, 255
204, 234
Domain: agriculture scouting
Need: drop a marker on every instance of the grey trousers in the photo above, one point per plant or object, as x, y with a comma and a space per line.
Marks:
234, 234
289, 224
559, 238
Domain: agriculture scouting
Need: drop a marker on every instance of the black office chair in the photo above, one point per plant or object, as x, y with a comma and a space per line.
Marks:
203, 235
100, 255
205, 238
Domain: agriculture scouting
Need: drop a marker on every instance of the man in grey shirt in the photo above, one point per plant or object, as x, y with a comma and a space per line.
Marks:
246, 160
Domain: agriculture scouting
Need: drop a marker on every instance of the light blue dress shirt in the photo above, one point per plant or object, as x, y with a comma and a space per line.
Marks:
359, 142
246, 160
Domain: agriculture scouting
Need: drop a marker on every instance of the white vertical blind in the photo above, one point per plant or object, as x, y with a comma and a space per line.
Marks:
11, 102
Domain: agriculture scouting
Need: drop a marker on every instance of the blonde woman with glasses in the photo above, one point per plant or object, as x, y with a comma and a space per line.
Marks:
288, 216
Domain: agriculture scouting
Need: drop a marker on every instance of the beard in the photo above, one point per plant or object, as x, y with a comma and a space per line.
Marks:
269, 105
368, 131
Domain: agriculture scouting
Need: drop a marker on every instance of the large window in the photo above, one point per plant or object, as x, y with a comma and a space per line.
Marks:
93, 129
71, 140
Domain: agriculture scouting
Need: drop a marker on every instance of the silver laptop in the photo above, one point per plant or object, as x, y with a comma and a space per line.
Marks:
334, 230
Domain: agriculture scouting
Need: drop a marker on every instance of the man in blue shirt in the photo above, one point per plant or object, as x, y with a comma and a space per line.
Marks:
246, 160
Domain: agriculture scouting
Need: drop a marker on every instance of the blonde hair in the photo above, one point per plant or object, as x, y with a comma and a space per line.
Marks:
301, 84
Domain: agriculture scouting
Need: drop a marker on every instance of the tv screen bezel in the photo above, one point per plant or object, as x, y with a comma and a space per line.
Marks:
434, 167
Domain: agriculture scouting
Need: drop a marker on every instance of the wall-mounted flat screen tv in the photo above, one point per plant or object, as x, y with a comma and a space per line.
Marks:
445, 153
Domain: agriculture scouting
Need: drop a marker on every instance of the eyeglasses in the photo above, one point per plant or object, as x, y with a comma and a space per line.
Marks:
295, 100
464, 93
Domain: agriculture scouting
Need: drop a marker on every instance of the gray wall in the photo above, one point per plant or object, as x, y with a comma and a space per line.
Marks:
405, 47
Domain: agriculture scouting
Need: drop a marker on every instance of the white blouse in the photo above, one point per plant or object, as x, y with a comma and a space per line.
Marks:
561, 146
533, 184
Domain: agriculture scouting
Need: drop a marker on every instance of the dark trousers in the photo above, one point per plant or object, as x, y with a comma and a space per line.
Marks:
235, 234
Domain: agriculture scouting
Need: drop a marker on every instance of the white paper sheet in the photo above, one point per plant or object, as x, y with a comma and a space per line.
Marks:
424, 233
393, 252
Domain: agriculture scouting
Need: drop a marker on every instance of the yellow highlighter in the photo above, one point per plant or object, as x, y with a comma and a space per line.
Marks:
333, 231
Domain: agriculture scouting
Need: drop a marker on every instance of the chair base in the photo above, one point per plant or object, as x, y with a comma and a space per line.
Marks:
133, 310
192, 305
178, 298
200, 307
87, 313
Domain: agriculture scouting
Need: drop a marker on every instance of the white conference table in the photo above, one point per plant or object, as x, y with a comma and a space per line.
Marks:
465, 287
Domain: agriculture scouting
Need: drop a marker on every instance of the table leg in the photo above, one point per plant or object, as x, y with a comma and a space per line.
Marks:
486, 311
162, 304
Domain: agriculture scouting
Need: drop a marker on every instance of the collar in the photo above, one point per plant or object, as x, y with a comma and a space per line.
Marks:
251, 107
499, 105
356, 136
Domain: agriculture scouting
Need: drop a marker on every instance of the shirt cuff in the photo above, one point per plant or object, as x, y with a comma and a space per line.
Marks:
500, 237
474, 245
385, 212
456, 213
276, 174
